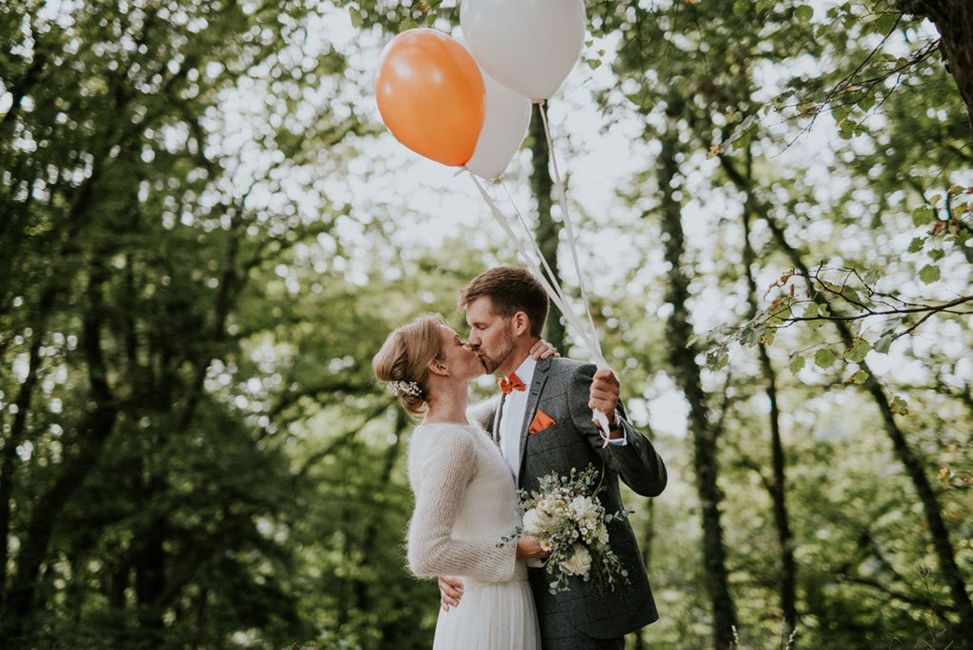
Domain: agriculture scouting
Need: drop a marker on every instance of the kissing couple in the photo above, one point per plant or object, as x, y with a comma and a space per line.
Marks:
466, 465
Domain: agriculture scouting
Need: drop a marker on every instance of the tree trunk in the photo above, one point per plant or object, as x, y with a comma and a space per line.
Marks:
913, 466
942, 544
682, 356
150, 576
93, 432
776, 487
547, 231
369, 542
954, 20
55, 282
17, 432
199, 634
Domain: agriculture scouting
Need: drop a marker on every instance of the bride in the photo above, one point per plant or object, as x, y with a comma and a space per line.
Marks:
465, 495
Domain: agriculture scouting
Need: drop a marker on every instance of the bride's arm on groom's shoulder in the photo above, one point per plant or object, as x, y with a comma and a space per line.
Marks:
441, 486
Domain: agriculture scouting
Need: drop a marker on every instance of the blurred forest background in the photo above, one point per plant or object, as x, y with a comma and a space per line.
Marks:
206, 233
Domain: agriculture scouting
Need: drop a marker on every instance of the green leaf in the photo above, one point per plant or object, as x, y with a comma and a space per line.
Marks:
858, 350
936, 254
717, 359
929, 273
747, 336
824, 358
594, 64
804, 13
849, 294
811, 311
899, 406
885, 22
859, 377
884, 342
797, 364
917, 244
767, 336
923, 215
357, 19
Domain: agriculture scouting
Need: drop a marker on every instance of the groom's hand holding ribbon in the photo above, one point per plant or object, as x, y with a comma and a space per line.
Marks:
603, 397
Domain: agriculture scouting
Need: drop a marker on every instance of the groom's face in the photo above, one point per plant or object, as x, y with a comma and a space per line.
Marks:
491, 335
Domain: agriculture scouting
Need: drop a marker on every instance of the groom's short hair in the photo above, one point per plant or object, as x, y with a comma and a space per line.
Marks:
510, 289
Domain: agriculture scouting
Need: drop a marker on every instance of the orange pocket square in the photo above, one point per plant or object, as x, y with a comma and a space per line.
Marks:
541, 421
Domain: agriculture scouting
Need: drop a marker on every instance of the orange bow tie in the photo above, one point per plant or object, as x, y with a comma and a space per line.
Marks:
514, 383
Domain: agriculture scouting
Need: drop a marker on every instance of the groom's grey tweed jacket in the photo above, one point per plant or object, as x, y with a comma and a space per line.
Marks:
560, 387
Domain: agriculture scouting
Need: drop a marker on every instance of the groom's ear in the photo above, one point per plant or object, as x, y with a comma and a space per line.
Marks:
521, 323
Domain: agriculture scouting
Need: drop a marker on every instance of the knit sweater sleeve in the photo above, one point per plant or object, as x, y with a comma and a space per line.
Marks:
442, 482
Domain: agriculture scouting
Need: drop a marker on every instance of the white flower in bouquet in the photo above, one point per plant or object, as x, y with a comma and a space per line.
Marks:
584, 511
579, 564
552, 506
537, 523
601, 536
569, 522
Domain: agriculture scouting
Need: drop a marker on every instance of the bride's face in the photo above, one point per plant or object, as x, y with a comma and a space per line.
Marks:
461, 362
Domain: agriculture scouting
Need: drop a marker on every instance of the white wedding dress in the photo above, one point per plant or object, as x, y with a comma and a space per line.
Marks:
466, 501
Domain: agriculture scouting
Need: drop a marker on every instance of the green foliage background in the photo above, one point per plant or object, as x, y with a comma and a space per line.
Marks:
194, 453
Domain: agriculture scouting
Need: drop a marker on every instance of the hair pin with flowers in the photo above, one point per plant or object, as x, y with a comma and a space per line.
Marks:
400, 388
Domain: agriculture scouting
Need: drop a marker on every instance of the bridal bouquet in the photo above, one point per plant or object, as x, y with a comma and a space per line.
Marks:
571, 524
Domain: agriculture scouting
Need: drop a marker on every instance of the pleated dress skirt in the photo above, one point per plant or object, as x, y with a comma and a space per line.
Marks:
490, 616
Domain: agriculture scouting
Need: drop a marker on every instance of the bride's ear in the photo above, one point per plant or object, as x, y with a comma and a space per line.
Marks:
438, 367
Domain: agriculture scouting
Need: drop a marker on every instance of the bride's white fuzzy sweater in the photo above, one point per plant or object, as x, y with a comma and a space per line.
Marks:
466, 501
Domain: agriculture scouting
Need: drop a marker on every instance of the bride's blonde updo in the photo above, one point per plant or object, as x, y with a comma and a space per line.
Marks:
403, 361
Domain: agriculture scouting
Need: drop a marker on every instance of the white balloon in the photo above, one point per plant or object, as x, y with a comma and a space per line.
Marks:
529, 46
504, 128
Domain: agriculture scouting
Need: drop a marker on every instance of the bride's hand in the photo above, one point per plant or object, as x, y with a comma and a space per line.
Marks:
529, 547
543, 350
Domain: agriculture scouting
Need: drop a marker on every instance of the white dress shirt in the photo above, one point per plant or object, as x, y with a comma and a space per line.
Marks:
512, 418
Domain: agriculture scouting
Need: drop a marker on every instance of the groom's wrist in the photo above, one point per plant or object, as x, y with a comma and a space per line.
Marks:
616, 429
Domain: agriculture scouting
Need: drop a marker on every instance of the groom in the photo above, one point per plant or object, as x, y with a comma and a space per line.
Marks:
543, 425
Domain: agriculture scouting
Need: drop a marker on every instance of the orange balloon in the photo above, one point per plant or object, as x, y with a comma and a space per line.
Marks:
430, 94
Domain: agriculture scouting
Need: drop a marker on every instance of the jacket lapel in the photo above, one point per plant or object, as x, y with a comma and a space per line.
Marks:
495, 429
541, 371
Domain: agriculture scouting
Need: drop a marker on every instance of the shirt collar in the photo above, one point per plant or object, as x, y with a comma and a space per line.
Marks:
526, 370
